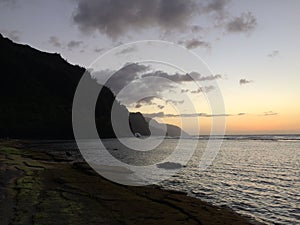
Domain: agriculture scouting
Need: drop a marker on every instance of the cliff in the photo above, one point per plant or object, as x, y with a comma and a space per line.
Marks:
36, 94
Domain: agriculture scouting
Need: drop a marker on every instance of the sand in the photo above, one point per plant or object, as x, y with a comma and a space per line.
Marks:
44, 188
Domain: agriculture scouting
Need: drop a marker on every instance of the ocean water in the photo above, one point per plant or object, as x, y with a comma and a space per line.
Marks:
258, 176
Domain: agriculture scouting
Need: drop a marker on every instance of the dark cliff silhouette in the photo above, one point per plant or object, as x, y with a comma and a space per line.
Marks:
160, 129
138, 124
36, 95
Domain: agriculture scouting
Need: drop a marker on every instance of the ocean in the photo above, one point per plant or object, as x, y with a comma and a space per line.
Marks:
255, 175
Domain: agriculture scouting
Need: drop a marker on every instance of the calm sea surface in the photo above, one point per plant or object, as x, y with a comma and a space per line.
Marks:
254, 175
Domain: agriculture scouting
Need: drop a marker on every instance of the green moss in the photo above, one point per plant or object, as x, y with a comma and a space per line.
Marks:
9, 150
56, 207
28, 191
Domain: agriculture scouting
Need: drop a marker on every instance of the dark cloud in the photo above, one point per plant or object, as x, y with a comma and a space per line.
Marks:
184, 90
217, 6
114, 18
74, 44
244, 81
273, 54
244, 23
196, 29
197, 91
138, 105
209, 88
175, 102
194, 43
162, 114
135, 71
199, 77
193, 76
98, 50
54, 41
148, 101
135, 74
57, 43
270, 113
203, 89
127, 50
124, 76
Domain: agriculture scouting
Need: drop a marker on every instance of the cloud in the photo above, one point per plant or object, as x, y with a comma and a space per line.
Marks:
244, 81
184, 90
57, 43
246, 22
54, 41
162, 114
175, 102
138, 105
203, 89
194, 43
241, 114
270, 113
127, 50
144, 79
216, 6
98, 50
124, 76
148, 101
115, 18
193, 76
196, 29
135, 71
74, 44
273, 54
199, 77
118, 18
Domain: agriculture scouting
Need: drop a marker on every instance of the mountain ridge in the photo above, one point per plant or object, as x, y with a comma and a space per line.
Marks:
36, 96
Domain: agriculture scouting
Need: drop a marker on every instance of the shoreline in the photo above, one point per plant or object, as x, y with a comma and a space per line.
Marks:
44, 188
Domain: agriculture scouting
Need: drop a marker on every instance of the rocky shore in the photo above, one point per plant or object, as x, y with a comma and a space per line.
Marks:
44, 188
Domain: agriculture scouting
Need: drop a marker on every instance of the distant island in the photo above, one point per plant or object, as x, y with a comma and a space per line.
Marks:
36, 95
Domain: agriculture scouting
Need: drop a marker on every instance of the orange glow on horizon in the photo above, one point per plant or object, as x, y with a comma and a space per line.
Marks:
247, 124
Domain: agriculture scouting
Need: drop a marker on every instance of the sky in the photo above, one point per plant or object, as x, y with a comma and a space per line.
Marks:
249, 51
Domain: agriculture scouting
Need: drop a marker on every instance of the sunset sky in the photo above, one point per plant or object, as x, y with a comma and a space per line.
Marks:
250, 47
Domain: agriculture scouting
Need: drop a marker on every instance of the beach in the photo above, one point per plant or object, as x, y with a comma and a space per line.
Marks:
47, 188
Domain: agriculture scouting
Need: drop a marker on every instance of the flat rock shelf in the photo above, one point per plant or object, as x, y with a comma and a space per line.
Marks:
44, 188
